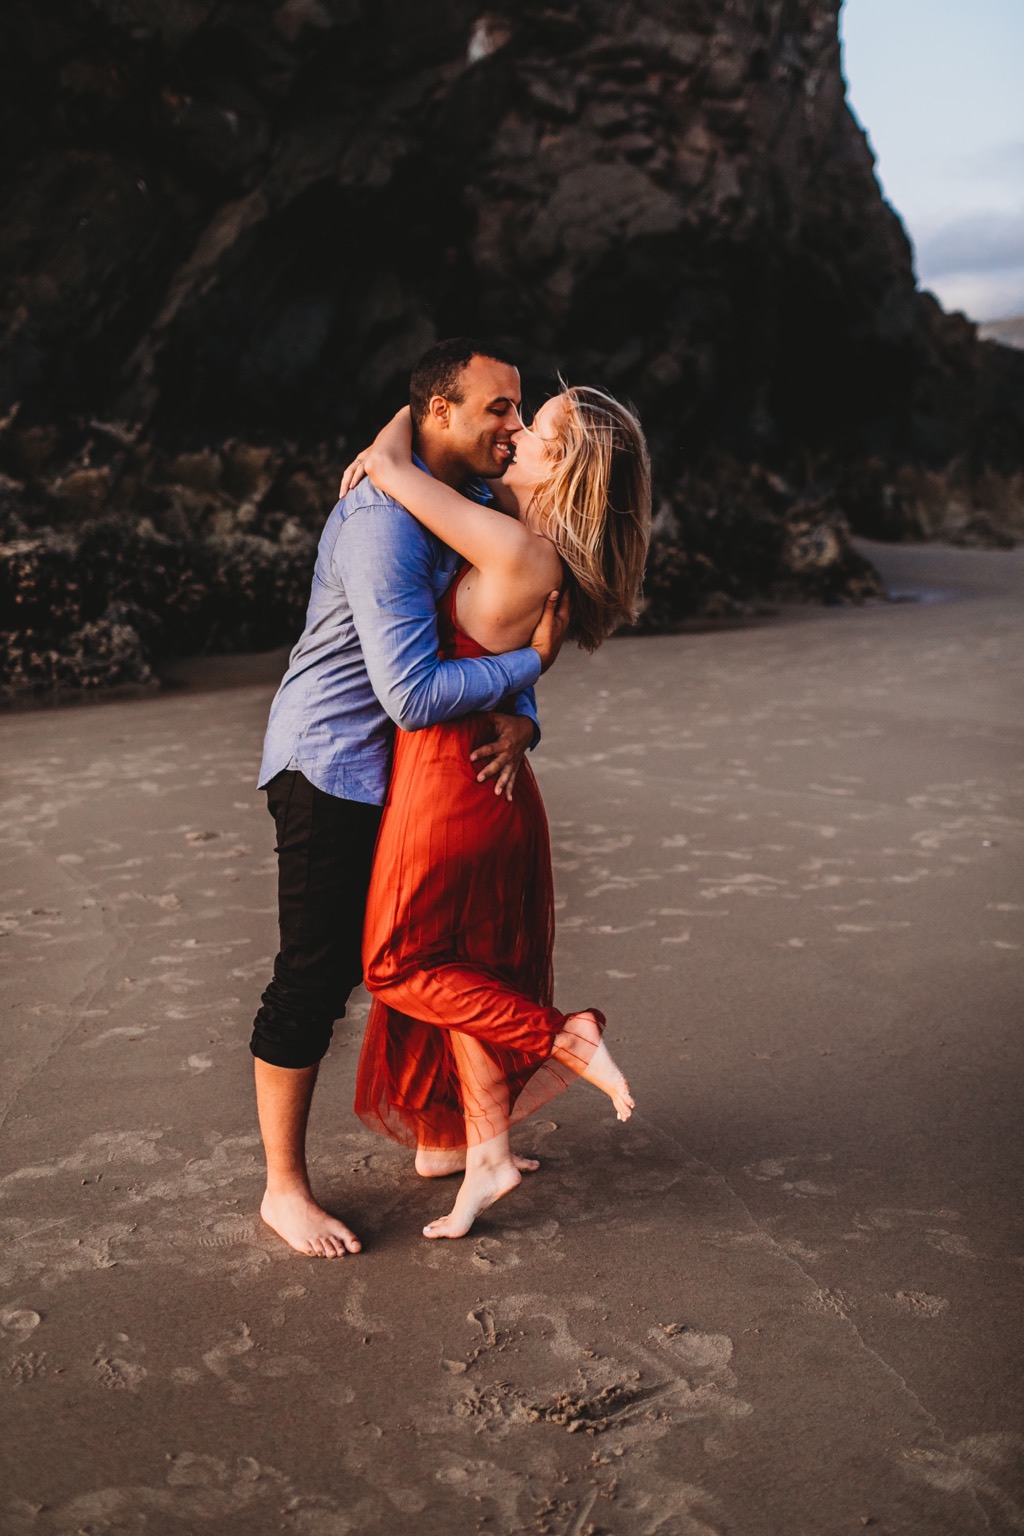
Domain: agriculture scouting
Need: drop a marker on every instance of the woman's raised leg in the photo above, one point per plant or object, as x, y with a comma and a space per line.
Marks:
580, 1046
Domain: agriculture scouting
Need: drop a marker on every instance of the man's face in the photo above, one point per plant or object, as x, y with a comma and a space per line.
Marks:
478, 433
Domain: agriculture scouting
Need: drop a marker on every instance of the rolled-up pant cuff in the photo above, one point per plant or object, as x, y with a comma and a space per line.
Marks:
296, 1053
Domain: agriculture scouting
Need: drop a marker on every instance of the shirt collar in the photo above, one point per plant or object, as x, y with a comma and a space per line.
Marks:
475, 488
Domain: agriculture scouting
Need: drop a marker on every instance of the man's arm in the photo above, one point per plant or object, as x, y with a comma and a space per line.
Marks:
503, 756
546, 639
384, 561
515, 733
525, 704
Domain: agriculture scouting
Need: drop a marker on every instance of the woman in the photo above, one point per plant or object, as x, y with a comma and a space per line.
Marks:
462, 1039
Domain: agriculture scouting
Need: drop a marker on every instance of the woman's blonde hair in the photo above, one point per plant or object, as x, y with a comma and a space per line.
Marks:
595, 507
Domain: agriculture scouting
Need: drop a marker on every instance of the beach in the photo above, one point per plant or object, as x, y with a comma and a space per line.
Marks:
786, 1297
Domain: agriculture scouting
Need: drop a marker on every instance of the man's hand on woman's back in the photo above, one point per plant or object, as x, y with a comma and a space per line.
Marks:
551, 628
513, 734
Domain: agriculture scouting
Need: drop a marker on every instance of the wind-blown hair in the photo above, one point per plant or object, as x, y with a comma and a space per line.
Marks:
595, 507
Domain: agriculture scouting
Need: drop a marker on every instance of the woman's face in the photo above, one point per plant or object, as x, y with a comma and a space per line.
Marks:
534, 446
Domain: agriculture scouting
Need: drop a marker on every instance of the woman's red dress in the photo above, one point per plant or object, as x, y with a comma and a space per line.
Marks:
458, 937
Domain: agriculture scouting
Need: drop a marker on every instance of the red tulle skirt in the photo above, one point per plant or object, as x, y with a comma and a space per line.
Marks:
458, 947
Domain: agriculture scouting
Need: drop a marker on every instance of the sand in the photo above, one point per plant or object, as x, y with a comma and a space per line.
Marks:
786, 1297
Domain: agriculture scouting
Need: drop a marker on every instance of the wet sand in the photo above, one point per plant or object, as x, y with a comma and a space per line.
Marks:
785, 1298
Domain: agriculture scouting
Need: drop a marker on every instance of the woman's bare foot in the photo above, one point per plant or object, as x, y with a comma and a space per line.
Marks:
439, 1162
484, 1184
305, 1226
604, 1074
582, 1030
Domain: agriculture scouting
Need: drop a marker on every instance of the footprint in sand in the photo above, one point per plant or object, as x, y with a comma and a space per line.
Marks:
594, 1383
117, 1374
987, 1465
28, 1367
953, 1243
228, 1231
218, 1359
19, 1322
489, 1254
919, 1303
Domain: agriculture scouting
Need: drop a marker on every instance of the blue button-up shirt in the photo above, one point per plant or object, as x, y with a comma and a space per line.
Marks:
367, 659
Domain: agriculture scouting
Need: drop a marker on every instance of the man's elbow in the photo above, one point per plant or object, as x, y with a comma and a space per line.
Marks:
410, 714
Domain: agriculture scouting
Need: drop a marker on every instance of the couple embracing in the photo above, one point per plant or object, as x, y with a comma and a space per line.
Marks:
419, 859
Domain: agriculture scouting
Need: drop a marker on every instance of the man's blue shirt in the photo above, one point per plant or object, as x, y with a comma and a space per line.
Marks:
367, 659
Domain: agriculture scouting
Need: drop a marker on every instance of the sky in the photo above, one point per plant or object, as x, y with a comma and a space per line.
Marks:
939, 87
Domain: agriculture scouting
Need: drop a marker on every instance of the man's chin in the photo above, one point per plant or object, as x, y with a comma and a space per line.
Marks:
495, 471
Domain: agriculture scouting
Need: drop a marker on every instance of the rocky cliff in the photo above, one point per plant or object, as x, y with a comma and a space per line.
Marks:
231, 227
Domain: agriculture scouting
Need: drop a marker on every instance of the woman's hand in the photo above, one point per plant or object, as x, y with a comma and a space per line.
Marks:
390, 449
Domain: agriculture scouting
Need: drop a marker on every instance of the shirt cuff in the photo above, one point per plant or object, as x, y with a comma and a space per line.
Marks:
525, 665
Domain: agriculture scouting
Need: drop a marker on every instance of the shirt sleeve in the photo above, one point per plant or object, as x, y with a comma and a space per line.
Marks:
384, 560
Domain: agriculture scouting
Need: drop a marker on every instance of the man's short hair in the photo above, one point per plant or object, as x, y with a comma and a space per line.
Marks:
439, 372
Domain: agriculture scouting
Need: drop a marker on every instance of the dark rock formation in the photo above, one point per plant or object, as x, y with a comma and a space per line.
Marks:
229, 223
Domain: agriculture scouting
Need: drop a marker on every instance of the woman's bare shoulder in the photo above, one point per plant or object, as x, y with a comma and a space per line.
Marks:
500, 607
543, 561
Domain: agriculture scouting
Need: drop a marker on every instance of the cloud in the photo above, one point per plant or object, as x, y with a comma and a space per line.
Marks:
997, 160
982, 295
974, 243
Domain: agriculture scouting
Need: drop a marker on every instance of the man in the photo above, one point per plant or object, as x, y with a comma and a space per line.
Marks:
366, 662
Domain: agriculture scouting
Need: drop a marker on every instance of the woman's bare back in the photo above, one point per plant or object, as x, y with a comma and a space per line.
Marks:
499, 608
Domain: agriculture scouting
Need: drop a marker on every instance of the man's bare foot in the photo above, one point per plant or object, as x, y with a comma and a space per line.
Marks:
482, 1186
600, 1070
439, 1162
305, 1226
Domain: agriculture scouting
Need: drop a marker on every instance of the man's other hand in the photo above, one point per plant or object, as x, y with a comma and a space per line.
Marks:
512, 735
551, 627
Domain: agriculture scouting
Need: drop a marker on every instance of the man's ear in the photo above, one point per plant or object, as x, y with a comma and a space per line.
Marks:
439, 411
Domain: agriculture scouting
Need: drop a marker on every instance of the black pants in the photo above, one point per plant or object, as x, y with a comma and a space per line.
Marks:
324, 853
